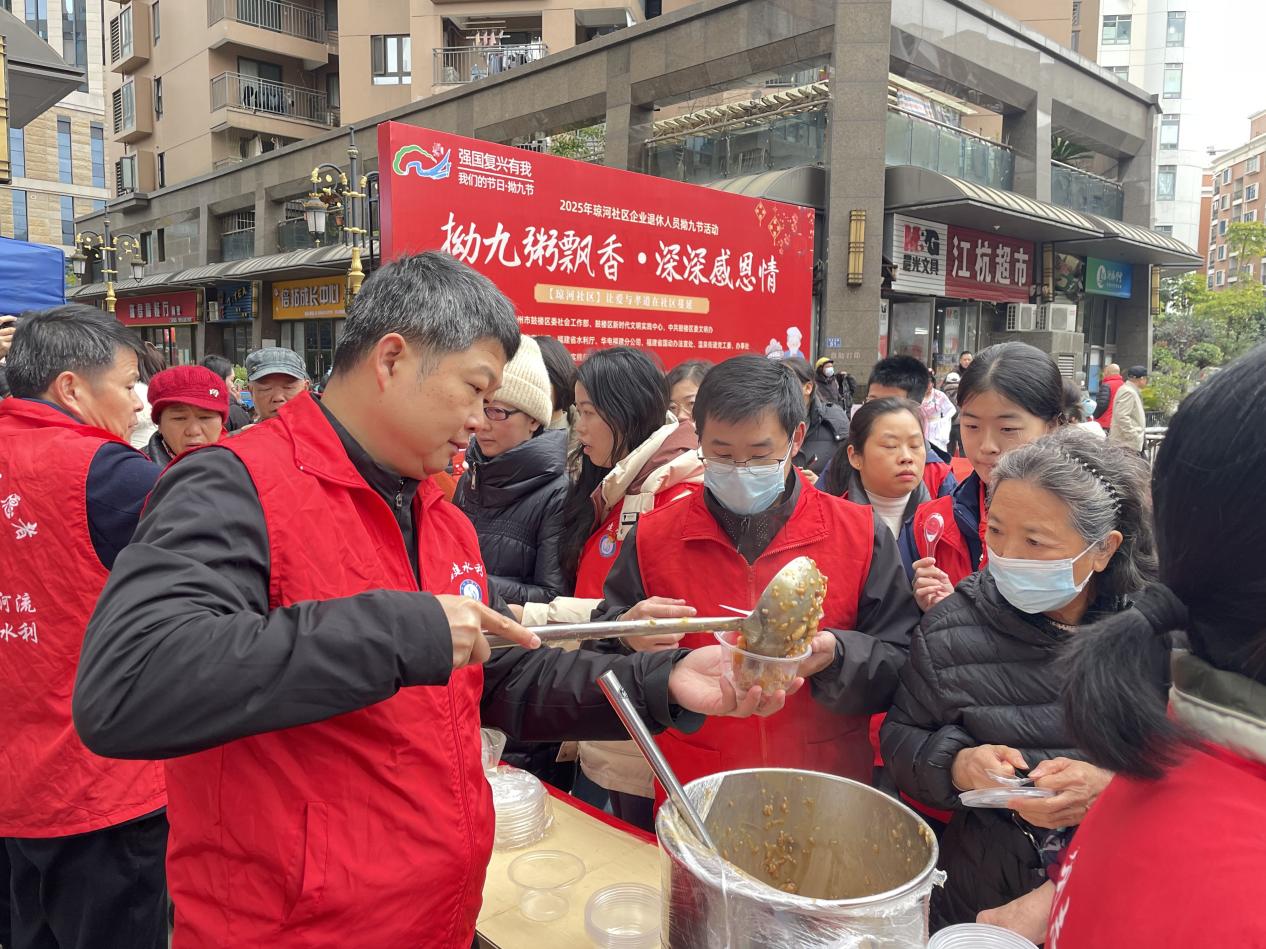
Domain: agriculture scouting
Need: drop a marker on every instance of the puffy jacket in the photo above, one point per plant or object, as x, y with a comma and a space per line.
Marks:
1105, 398
980, 672
515, 500
827, 430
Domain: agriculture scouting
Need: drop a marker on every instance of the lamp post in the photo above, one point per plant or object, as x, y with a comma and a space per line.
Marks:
332, 191
105, 247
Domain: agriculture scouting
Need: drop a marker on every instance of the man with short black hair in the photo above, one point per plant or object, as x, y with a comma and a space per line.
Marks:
274, 376
239, 418
86, 836
312, 657
1129, 415
904, 377
719, 548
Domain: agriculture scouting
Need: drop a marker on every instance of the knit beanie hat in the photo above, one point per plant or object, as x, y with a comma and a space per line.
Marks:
525, 383
188, 385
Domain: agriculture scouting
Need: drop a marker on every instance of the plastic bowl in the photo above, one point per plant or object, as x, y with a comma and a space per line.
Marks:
745, 670
494, 744
978, 936
545, 879
624, 916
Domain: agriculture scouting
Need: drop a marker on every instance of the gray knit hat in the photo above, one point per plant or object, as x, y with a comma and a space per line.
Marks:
525, 383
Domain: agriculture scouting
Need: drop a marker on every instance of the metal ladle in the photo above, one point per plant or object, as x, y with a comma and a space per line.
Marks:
783, 623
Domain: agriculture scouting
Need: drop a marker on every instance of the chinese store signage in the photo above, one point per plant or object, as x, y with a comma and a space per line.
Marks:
934, 259
168, 309
318, 298
602, 257
237, 301
1108, 278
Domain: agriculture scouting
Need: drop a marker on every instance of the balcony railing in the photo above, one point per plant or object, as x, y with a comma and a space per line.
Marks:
279, 16
1079, 190
911, 140
237, 245
454, 65
234, 91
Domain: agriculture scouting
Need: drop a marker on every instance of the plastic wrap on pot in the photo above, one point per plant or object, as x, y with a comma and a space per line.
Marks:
811, 861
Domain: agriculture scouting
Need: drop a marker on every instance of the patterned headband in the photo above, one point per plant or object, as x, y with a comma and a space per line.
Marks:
1095, 473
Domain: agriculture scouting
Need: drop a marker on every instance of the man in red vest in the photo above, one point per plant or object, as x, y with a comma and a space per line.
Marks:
298, 628
1107, 395
722, 546
85, 836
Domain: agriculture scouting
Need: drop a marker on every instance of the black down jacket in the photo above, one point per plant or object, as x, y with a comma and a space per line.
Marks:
827, 428
980, 673
515, 501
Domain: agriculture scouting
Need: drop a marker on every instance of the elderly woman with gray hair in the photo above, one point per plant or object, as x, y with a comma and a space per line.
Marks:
1069, 540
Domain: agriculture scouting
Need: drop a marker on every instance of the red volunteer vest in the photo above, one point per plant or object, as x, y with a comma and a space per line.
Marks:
1113, 383
684, 553
952, 553
50, 578
373, 828
934, 475
603, 547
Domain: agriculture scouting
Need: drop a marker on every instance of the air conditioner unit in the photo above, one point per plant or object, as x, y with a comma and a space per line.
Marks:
1021, 317
1057, 317
213, 311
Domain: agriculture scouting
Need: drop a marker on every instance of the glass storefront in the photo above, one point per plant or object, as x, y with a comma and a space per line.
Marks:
934, 330
237, 342
174, 342
314, 340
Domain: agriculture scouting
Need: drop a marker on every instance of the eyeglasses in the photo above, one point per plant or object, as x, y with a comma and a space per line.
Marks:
497, 414
755, 465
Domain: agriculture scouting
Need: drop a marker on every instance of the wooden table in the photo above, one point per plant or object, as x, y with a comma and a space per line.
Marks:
610, 854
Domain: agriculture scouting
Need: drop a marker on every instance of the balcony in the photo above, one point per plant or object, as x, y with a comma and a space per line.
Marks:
951, 151
130, 38
132, 110
237, 245
1079, 190
261, 106
276, 26
455, 65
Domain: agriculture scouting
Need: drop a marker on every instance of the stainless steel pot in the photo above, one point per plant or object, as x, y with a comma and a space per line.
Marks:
811, 860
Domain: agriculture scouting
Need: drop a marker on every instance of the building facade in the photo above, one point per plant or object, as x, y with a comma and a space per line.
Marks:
57, 161
1236, 194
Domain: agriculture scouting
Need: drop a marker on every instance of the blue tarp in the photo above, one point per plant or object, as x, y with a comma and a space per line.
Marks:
32, 276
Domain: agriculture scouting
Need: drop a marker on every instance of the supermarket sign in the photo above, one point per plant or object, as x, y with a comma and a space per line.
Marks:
934, 259
601, 257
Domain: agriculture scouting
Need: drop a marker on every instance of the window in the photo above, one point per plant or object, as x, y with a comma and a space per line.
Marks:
1254, 165
1172, 86
1250, 193
1166, 229
1209, 282
75, 35
1166, 182
125, 175
1213, 255
147, 246
98, 155
1169, 131
98, 204
162, 243
124, 107
156, 18
37, 19
1221, 277
1222, 230
1121, 72
1176, 28
68, 220
1076, 12
1251, 216
1074, 40
392, 60
20, 229
1222, 252
332, 94
1226, 176
162, 169
1116, 31
158, 97
17, 152
65, 158
1226, 201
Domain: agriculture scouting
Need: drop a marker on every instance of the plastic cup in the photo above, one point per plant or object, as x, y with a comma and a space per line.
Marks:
545, 879
494, 743
978, 936
624, 916
745, 670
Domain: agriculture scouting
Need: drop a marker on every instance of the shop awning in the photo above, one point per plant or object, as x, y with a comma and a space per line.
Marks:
38, 77
121, 287
804, 185
936, 197
1135, 245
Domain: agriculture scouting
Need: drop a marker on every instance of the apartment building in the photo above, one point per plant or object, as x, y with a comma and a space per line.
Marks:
186, 101
57, 160
1071, 23
1237, 195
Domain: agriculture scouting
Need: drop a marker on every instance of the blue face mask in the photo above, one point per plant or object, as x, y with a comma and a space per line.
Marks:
1037, 586
745, 490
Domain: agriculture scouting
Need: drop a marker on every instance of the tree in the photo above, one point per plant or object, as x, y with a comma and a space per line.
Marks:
1067, 152
584, 144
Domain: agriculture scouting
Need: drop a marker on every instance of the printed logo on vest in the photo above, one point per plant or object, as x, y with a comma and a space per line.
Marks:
471, 589
606, 546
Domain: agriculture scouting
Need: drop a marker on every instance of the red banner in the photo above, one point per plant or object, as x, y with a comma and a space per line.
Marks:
601, 257
159, 310
980, 266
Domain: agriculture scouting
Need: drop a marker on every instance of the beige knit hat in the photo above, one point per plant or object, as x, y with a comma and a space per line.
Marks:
525, 383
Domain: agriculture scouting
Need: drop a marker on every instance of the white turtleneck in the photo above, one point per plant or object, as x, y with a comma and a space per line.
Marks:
889, 510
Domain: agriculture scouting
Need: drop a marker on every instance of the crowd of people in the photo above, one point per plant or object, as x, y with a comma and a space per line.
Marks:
243, 644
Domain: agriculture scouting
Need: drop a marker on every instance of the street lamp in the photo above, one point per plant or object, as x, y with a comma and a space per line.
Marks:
105, 247
332, 191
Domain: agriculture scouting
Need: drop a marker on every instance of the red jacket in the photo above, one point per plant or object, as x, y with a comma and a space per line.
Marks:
684, 553
603, 547
50, 578
959, 511
1113, 383
1177, 863
373, 828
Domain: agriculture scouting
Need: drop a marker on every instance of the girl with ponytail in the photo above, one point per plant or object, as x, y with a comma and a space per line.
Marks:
1174, 852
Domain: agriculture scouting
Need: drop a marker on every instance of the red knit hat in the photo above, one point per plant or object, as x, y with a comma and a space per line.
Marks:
188, 385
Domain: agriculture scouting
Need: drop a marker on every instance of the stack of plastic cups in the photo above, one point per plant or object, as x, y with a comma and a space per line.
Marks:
522, 807
978, 936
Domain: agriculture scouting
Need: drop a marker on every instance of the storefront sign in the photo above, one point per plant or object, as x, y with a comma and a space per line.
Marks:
318, 298
1108, 278
237, 302
168, 309
602, 257
1070, 276
933, 259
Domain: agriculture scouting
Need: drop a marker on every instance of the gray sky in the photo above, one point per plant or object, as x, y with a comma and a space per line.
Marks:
1222, 77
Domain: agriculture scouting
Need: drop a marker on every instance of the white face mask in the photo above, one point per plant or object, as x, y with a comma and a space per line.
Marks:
829, 371
1037, 586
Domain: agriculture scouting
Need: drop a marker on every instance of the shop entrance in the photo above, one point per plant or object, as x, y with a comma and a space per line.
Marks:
174, 342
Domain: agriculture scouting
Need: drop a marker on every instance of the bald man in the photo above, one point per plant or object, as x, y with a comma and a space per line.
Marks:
1108, 386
